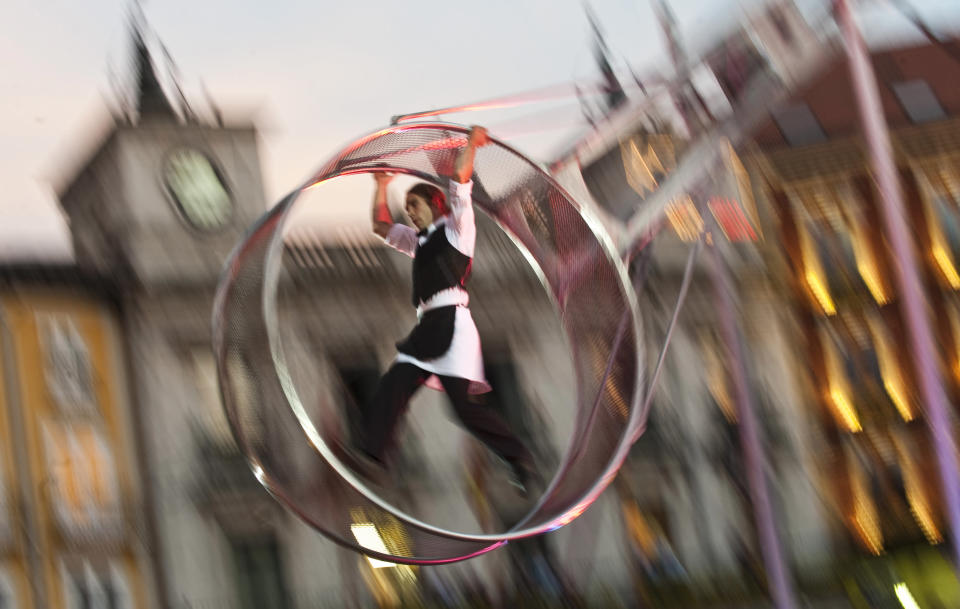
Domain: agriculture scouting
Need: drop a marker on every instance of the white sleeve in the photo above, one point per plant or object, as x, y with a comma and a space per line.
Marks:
461, 229
402, 238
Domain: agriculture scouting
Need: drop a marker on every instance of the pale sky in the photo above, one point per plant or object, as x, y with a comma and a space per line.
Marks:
315, 75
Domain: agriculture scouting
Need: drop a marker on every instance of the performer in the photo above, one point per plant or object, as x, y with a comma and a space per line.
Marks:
443, 350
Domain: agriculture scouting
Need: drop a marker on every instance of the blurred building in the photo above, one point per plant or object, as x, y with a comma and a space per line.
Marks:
155, 207
828, 254
71, 495
795, 215
163, 196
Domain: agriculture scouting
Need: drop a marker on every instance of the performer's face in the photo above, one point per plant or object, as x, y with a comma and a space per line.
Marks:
420, 212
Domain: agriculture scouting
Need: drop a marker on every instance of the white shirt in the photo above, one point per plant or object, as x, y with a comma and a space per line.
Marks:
463, 359
459, 225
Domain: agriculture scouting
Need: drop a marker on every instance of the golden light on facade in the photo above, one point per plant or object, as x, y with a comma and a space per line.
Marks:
368, 537
813, 271
864, 518
920, 509
847, 205
685, 219
904, 596
867, 268
893, 381
645, 159
945, 264
843, 409
717, 381
386, 535
954, 318
915, 492
820, 292
895, 391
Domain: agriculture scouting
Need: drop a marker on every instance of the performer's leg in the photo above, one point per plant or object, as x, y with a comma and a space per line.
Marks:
484, 423
382, 415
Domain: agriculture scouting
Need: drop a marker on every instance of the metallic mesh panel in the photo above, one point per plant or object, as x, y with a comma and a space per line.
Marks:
579, 268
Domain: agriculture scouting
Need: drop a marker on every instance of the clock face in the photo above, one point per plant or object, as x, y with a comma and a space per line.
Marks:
198, 189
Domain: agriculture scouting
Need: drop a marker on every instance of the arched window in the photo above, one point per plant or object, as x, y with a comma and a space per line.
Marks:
69, 374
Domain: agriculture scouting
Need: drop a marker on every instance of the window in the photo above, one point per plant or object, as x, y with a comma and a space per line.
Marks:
939, 182
359, 374
838, 395
799, 125
259, 574
893, 380
838, 255
82, 476
68, 371
916, 488
686, 221
6, 532
8, 596
780, 21
717, 372
918, 100
863, 518
88, 587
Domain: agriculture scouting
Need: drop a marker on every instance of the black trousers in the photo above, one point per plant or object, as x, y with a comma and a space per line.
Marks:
383, 414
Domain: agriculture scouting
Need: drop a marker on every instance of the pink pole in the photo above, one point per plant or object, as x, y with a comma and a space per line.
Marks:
778, 574
911, 291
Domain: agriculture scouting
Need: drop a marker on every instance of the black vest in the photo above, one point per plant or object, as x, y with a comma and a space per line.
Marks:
437, 266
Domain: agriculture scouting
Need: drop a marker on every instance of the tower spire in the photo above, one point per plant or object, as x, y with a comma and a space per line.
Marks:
150, 100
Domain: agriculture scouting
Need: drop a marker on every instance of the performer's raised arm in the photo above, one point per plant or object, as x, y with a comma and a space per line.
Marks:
399, 236
463, 166
382, 221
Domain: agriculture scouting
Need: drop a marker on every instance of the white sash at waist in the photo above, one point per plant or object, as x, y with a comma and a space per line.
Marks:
455, 296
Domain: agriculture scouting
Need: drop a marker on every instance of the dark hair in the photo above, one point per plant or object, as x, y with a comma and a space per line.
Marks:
433, 195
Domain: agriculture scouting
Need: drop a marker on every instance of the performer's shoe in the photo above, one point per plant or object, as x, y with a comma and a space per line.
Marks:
349, 453
368, 466
527, 479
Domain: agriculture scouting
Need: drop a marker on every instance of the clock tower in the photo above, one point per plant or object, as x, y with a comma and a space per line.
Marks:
156, 206
163, 197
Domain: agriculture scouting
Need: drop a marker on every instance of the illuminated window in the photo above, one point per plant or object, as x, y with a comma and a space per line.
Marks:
68, 372
813, 271
953, 358
835, 241
862, 515
733, 205
383, 534
939, 182
838, 393
891, 376
917, 493
685, 219
646, 160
